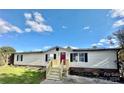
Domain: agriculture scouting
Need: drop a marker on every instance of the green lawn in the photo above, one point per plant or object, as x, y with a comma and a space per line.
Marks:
20, 75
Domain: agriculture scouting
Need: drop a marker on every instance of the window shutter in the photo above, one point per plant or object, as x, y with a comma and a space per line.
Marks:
46, 58
86, 57
21, 57
71, 57
54, 56
17, 57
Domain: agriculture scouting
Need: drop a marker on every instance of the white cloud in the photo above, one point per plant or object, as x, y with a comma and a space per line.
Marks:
119, 23
46, 47
100, 44
73, 47
6, 27
114, 40
37, 23
111, 43
37, 50
102, 40
28, 15
38, 27
38, 17
97, 44
19, 51
86, 27
114, 46
27, 30
117, 13
108, 41
94, 45
64, 27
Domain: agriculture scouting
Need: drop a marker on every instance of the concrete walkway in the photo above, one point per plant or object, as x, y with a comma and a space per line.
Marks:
72, 79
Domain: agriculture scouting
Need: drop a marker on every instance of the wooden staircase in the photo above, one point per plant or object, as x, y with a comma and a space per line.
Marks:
55, 70
54, 74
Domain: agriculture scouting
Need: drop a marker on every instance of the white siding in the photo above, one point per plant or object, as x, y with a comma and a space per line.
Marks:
98, 59
57, 53
30, 59
38, 58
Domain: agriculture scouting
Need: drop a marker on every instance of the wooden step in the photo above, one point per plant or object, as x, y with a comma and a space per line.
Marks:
56, 76
51, 78
55, 70
54, 73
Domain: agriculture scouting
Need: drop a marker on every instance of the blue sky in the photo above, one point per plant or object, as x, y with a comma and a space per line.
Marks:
31, 30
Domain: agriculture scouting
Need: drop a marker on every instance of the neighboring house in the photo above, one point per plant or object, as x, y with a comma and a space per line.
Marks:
80, 59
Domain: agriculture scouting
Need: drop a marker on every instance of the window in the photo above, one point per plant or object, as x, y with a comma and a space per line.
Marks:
49, 57
19, 57
46, 57
83, 57
54, 56
78, 57
74, 57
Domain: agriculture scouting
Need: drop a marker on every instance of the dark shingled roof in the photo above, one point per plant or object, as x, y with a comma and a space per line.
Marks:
96, 49
83, 49
29, 52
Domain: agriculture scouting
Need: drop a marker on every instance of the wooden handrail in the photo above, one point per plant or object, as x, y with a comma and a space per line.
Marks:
67, 64
61, 69
48, 68
67, 67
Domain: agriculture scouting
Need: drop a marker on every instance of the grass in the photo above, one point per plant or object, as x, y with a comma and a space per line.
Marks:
20, 75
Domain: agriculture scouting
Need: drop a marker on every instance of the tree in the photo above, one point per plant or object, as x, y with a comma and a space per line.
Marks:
120, 36
5, 52
94, 46
109, 38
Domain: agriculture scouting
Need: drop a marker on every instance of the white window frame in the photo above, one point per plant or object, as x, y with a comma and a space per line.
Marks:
19, 57
74, 56
78, 56
50, 56
82, 57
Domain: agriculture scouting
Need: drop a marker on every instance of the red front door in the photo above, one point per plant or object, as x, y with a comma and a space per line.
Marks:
63, 57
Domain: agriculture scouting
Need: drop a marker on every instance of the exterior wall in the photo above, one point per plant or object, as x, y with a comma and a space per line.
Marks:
57, 53
37, 59
98, 59
31, 59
